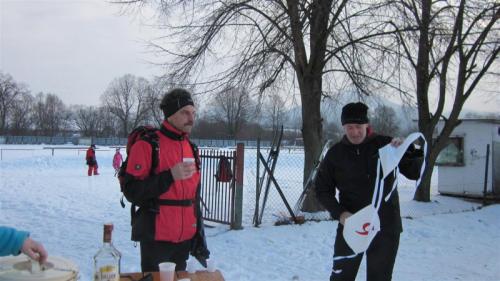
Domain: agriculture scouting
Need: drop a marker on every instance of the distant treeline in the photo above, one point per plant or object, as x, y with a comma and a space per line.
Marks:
130, 101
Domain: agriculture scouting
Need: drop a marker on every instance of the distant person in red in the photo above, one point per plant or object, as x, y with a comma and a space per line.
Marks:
117, 160
91, 161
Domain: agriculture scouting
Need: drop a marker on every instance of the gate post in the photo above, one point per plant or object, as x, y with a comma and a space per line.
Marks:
238, 191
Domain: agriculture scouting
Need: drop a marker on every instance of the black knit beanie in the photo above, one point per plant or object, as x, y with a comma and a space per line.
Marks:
354, 113
174, 100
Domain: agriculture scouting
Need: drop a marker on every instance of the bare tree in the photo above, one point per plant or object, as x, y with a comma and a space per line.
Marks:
153, 96
255, 44
333, 131
232, 108
125, 98
205, 128
450, 47
274, 109
50, 114
87, 120
384, 121
21, 117
10, 90
109, 125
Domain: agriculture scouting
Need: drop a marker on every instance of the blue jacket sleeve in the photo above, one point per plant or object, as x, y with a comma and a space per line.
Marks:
11, 240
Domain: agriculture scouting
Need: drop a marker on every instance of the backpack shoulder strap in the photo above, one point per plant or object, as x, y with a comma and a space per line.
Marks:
155, 151
151, 137
196, 154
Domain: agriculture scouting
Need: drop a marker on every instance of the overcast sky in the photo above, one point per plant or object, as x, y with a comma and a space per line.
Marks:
75, 48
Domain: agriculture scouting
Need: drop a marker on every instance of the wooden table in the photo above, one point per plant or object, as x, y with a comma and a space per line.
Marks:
201, 275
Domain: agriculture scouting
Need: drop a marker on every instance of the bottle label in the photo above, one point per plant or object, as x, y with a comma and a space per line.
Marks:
108, 273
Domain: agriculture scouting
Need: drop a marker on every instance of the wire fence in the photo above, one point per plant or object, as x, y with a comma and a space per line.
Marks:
289, 176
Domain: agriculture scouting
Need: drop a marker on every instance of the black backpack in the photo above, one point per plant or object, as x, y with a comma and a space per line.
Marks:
146, 133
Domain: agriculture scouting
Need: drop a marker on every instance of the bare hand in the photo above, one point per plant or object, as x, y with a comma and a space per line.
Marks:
34, 250
183, 170
344, 216
396, 142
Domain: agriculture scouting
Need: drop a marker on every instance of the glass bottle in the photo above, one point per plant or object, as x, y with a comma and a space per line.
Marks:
107, 259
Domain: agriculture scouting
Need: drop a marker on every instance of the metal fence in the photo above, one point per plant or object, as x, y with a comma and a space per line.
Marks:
118, 141
222, 196
217, 196
37, 140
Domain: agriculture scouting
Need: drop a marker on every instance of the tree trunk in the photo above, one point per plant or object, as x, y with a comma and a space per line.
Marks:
423, 82
423, 193
312, 133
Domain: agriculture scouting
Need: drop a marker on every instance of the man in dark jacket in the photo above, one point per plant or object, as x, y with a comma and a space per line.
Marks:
350, 167
168, 221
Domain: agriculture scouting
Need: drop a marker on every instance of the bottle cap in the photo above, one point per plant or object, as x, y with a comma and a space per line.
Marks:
108, 229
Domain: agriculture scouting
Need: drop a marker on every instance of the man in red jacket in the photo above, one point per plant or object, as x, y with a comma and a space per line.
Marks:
169, 217
91, 160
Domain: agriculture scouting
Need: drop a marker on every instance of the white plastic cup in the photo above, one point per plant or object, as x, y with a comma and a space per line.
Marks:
211, 265
188, 160
167, 271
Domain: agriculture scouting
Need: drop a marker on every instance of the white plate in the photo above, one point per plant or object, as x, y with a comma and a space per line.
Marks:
18, 268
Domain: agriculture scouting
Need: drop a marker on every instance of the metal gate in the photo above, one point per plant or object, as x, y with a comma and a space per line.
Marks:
218, 197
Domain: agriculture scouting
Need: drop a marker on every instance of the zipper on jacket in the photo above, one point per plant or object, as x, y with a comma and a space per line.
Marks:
357, 151
182, 208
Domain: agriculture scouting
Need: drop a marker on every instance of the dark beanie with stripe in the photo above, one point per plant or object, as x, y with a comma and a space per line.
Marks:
174, 100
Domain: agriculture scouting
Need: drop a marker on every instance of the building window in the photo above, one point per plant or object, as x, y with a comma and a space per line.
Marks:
453, 154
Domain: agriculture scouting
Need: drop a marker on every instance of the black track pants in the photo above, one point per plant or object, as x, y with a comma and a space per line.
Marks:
156, 252
380, 258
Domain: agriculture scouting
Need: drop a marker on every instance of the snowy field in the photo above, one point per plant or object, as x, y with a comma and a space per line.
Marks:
53, 198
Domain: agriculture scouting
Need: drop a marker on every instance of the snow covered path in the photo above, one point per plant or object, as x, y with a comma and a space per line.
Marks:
54, 199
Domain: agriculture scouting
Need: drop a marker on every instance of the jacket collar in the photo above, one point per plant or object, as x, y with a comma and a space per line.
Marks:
368, 138
171, 132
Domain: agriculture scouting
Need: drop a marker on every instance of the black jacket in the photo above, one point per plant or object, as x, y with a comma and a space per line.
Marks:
352, 170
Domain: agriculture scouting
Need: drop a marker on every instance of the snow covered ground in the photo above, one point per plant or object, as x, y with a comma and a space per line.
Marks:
51, 196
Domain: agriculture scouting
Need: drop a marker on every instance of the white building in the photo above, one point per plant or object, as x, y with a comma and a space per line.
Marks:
462, 163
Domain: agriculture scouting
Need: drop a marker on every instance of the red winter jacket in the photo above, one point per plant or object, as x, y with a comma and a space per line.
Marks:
117, 160
171, 223
90, 157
